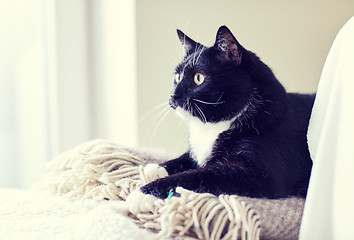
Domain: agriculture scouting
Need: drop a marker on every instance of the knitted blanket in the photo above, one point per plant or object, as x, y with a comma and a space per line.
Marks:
103, 171
40, 215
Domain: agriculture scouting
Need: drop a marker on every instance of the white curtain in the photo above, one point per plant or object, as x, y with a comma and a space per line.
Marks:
23, 98
329, 209
67, 75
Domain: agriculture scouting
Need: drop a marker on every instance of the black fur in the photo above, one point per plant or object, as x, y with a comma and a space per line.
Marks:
264, 153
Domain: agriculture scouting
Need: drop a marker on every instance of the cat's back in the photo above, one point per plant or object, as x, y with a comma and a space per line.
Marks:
300, 101
285, 139
298, 113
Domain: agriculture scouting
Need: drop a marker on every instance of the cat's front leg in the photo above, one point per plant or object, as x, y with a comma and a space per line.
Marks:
180, 164
152, 172
192, 180
216, 180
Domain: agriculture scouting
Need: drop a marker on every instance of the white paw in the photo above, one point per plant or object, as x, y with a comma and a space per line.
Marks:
138, 202
151, 172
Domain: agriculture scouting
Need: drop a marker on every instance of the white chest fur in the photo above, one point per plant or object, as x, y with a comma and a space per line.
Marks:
202, 137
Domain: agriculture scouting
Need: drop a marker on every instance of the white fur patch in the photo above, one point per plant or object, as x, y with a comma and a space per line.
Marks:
151, 172
202, 136
138, 202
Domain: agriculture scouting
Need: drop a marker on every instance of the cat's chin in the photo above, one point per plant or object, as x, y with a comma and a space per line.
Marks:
183, 113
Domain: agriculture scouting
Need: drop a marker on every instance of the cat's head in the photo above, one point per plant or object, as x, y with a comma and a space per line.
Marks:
216, 83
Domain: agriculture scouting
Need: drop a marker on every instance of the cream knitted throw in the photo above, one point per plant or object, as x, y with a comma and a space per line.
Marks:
102, 170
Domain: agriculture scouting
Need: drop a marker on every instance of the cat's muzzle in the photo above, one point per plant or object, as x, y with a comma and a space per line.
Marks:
173, 101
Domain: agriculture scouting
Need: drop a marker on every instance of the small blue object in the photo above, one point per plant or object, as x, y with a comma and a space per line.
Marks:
170, 194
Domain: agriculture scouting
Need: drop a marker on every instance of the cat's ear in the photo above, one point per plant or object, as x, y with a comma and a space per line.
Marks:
188, 44
228, 46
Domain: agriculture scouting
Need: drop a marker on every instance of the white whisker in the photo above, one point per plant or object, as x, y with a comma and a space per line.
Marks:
151, 119
202, 115
200, 53
152, 110
209, 103
195, 50
158, 124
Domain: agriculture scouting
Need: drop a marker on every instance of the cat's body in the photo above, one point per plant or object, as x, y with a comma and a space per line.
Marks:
247, 136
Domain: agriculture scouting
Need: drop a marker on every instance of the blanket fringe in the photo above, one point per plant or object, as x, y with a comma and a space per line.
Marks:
94, 170
203, 216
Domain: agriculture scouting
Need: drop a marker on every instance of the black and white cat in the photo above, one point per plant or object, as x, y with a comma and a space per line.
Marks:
247, 135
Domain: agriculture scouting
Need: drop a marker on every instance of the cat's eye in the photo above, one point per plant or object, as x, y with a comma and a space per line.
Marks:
198, 78
177, 78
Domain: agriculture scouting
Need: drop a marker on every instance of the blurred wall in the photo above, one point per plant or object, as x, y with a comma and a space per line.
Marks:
292, 37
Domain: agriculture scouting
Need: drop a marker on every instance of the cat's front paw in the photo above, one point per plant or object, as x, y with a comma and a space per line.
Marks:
152, 172
138, 202
159, 188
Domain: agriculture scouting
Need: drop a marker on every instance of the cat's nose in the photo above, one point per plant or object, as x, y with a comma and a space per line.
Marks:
173, 100
174, 95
